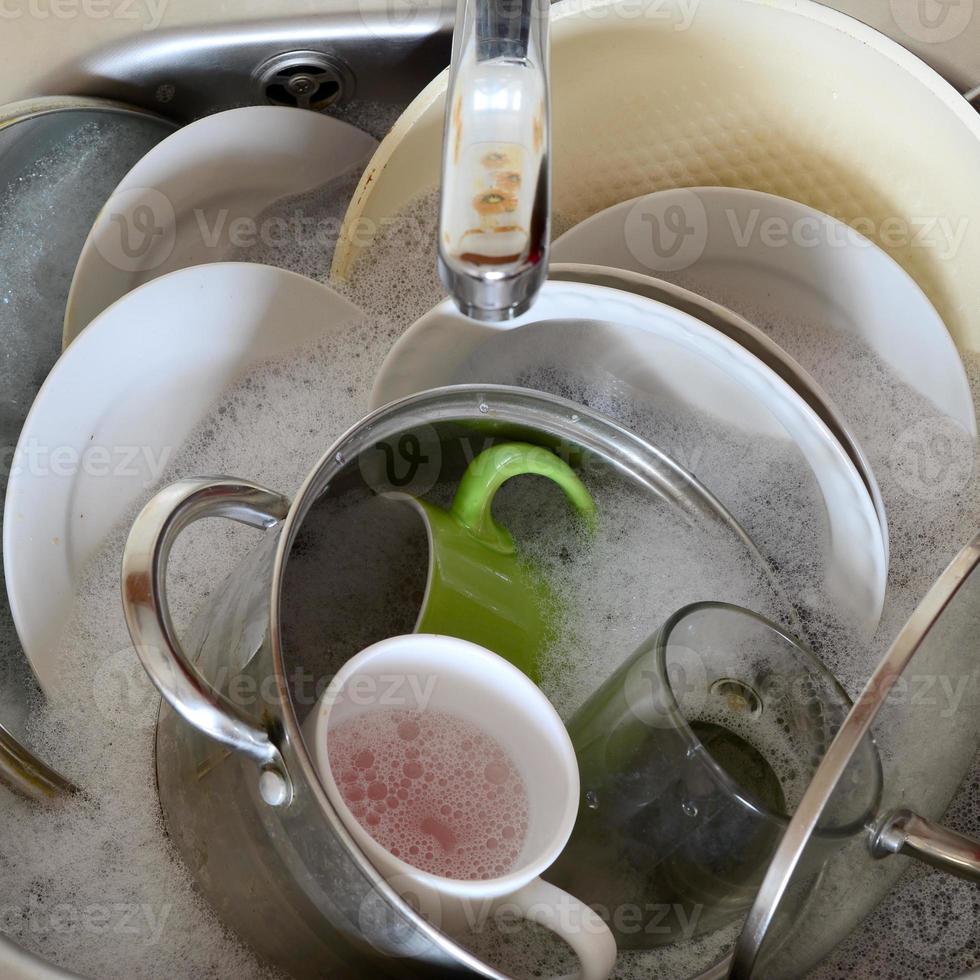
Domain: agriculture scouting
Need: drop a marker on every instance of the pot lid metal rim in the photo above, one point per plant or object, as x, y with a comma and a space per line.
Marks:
21, 770
27, 109
837, 758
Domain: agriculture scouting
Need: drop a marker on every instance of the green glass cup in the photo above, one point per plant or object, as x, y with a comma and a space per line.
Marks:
479, 588
694, 755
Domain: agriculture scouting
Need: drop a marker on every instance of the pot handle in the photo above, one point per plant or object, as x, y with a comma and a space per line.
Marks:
144, 576
905, 832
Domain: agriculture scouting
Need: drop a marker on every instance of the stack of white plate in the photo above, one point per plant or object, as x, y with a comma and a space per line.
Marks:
828, 229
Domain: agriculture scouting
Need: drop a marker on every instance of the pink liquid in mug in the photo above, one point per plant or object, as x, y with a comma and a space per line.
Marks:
433, 789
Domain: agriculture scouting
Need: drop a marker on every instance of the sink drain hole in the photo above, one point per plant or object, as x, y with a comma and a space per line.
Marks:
304, 80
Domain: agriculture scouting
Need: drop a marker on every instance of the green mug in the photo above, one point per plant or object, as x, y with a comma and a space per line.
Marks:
478, 588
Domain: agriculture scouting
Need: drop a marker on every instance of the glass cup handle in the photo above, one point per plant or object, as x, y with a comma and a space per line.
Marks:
582, 928
905, 832
144, 575
472, 505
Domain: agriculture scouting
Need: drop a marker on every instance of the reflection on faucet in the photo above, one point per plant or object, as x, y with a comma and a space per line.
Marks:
496, 180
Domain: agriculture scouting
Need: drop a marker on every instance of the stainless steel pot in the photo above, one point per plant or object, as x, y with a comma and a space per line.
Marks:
239, 791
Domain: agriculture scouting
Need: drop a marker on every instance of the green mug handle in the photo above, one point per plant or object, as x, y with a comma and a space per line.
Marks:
495, 466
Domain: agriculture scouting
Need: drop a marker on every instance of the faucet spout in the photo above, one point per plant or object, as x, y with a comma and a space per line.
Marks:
495, 212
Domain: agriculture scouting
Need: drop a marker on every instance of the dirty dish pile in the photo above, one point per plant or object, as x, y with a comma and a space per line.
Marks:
924, 458
800, 140
729, 413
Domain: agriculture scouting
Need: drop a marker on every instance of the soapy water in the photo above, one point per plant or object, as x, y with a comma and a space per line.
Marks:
617, 585
108, 851
434, 789
375, 118
309, 226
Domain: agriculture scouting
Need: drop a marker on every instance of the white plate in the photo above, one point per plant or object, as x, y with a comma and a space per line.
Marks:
638, 345
195, 197
119, 404
748, 336
674, 93
786, 267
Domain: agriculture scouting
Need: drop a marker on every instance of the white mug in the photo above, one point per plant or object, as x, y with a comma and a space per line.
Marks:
424, 672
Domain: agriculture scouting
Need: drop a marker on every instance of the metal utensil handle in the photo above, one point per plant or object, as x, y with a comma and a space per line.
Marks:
905, 832
147, 612
25, 774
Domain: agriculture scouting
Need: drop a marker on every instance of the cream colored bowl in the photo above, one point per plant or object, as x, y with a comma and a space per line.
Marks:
783, 96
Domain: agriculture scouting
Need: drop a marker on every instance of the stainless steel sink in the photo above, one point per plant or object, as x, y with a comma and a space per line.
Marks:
327, 62
358, 54
339, 62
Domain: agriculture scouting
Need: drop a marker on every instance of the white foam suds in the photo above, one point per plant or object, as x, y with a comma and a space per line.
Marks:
109, 850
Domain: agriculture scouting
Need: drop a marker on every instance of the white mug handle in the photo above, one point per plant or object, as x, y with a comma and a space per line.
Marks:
572, 920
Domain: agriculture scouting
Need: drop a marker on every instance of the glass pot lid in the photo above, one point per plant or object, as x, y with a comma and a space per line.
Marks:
60, 158
350, 567
356, 556
353, 542
920, 715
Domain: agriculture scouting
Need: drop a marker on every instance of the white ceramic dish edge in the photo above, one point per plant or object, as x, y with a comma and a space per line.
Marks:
156, 364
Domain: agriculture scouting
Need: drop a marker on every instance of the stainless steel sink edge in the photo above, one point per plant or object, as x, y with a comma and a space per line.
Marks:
383, 56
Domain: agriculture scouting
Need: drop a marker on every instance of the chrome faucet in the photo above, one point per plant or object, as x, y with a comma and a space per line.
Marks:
495, 214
